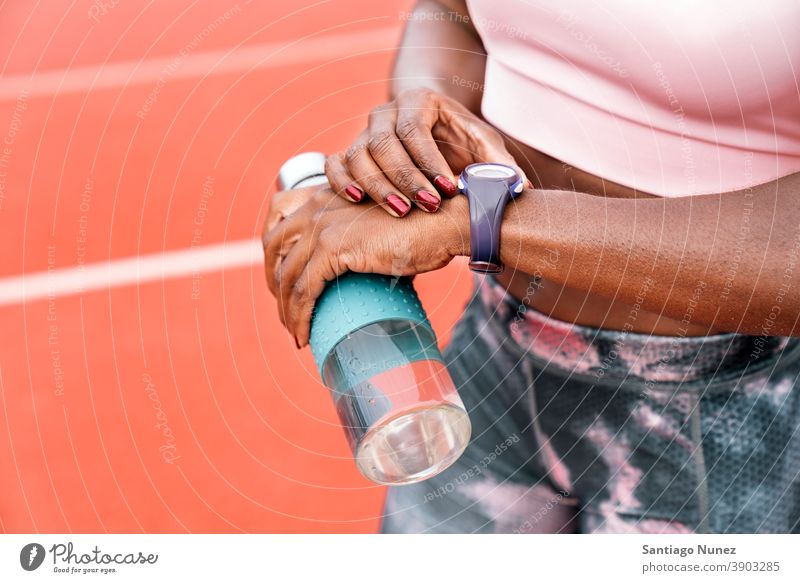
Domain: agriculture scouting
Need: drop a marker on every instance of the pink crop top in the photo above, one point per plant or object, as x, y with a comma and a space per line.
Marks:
672, 98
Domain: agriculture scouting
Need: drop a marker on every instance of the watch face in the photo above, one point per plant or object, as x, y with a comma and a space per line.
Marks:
491, 171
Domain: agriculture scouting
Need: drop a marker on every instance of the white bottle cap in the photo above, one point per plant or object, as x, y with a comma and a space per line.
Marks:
304, 169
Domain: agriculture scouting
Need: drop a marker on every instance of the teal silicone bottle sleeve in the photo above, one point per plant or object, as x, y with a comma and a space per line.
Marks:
355, 300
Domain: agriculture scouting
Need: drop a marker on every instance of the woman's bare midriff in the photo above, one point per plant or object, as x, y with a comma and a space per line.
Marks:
572, 305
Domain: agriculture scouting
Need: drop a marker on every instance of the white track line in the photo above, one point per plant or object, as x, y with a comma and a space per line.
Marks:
261, 56
129, 271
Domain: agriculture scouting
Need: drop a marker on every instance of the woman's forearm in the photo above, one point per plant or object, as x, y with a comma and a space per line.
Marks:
441, 51
730, 261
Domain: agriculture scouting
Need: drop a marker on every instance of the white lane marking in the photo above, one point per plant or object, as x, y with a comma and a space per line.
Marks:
102, 275
148, 71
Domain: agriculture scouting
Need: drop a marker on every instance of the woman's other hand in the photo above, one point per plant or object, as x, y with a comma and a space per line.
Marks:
412, 150
311, 237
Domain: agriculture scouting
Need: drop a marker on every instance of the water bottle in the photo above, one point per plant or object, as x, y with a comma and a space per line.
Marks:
378, 355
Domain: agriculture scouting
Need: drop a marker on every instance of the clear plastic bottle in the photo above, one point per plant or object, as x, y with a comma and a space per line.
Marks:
400, 410
377, 353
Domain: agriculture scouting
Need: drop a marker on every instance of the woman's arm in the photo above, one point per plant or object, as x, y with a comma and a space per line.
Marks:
441, 51
729, 261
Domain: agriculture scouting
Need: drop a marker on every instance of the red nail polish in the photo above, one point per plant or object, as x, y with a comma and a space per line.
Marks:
354, 193
430, 202
397, 204
445, 185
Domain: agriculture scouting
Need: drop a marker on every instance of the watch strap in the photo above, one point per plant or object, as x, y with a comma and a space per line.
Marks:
487, 203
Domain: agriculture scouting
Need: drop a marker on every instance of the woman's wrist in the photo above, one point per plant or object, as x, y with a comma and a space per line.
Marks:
456, 211
523, 235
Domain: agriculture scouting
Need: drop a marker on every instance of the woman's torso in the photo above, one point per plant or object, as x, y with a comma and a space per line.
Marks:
624, 100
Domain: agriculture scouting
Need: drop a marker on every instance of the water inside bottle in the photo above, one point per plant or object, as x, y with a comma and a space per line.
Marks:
397, 403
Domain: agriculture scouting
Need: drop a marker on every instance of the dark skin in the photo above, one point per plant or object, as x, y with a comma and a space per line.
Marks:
713, 263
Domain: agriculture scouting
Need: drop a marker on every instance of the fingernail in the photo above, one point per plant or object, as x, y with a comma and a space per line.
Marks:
397, 204
528, 184
430, 202
354, 193
445, 185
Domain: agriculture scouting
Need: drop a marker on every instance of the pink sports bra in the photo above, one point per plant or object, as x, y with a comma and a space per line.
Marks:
672, 98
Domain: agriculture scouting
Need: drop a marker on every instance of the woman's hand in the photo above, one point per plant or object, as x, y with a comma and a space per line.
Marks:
311, 237
418, 141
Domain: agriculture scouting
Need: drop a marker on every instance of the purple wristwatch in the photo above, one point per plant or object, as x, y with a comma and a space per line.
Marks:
488, 187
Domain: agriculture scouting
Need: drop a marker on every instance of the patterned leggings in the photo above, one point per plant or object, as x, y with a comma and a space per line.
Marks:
576, 429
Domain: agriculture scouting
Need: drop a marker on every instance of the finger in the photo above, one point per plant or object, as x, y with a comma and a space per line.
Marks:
372, 180
485, 144
308, 286
283, 204
301, 280
275, 214
277, 243
391, 156
493, 149
416, 116
286, 274
340, 179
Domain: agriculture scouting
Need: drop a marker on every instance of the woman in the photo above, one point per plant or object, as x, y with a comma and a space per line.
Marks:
639, 351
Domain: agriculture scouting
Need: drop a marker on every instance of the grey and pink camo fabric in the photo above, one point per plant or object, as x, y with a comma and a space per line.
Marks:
577, 429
